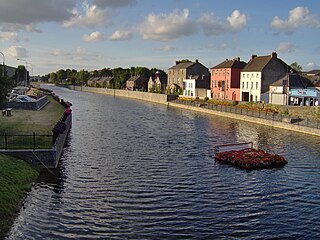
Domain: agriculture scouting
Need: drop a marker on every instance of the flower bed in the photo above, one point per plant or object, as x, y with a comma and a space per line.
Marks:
251, 159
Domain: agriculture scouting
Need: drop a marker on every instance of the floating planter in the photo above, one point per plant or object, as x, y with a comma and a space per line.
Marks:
245, 157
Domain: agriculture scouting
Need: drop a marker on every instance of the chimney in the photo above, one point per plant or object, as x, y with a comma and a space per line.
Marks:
197, 60
253, 56
274, 55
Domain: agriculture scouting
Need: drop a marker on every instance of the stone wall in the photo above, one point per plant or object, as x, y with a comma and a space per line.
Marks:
47, 158
277, 124
145, 96
36, 105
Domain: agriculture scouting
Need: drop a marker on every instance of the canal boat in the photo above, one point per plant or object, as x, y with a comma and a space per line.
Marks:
244, 156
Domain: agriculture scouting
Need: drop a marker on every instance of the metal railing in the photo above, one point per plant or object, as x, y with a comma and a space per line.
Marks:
25, 141
257, 113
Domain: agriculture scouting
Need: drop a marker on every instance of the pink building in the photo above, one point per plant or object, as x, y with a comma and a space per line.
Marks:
225, 79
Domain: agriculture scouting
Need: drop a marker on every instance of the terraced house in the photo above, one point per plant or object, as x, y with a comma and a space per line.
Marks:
259, 74
185, 70
225, 79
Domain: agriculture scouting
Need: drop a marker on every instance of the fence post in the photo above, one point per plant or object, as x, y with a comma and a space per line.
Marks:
34, 141
5, 141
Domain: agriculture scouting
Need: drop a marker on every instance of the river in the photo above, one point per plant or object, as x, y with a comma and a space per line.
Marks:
137, 170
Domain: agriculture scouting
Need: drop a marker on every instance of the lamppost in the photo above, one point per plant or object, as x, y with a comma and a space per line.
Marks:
3, 64
31, 70
25, 73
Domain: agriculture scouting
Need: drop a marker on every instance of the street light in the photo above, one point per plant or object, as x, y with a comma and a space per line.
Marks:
3, 64
25, 73
31, 69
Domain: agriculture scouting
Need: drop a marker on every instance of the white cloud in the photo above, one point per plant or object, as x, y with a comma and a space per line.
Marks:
298, 17
211, 25
166, 48
77, 54
121, 35
92, 16
8, 36
285, 47
95, 36
16, 52
114, 3
237, 20
167, 27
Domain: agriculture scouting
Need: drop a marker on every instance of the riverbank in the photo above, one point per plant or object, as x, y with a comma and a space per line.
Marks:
16, 175
164, 99
16, 178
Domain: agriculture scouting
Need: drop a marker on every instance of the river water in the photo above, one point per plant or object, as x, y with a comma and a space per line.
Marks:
137, 170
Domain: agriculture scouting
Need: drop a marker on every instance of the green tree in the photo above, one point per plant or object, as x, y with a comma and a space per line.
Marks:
61, 75
296, 67
106, 72
53, 77
5, 86
83, 76
143, 71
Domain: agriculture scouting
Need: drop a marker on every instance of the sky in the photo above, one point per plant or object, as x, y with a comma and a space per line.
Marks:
48, 35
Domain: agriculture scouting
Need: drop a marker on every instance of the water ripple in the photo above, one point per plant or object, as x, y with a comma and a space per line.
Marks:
134, 170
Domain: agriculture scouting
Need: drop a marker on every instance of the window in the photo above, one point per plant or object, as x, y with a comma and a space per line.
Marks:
223, 85
247, 85
242, 85
257, 75
243, 75
256, 98
247, 75
257, 85
284, 82
251, 85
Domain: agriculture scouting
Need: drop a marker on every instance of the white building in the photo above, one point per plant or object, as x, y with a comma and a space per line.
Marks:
258, 74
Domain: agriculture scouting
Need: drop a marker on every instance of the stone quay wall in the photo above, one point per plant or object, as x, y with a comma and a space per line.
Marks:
47, 158
283, 125
145, 96
165, 99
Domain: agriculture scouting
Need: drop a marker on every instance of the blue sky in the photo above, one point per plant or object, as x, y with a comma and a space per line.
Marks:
93, 34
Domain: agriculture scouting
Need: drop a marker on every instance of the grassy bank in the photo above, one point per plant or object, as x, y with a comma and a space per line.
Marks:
28, 121
16, 177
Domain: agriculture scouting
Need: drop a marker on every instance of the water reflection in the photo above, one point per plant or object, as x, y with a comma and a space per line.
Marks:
136, 170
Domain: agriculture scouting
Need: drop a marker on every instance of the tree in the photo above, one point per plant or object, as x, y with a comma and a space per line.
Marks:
53, 77
83, 76
296, 67
61, 75
5, 86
